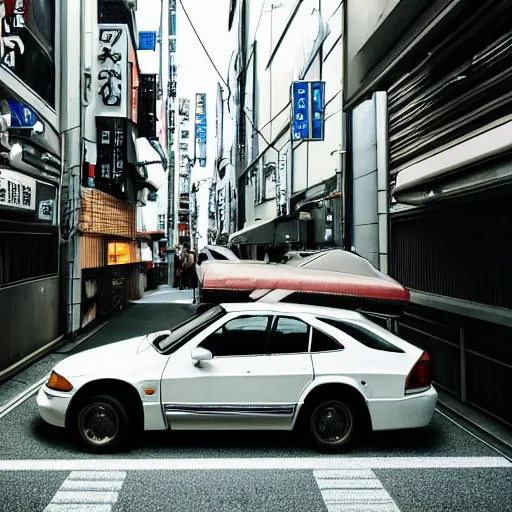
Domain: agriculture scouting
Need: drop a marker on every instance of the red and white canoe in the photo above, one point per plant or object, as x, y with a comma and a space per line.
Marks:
235, 282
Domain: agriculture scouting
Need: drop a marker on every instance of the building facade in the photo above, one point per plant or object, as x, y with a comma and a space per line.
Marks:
115, 161
287, 192
32, 116
428, 188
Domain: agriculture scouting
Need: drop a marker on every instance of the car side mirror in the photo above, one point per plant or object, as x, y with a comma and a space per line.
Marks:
202, 258
199, 354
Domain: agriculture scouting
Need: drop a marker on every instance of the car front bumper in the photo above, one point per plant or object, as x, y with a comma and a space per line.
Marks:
53, 406
411, 411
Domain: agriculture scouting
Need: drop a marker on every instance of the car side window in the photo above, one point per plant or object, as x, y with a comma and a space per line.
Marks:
217, 255
322, 342
289, 336
243, 336
363, 335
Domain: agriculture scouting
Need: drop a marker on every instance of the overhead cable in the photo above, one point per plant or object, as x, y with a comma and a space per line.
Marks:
204, 48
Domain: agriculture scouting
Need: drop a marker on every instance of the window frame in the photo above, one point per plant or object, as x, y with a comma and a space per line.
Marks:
275, 321
340, 348
239, 315
364, 331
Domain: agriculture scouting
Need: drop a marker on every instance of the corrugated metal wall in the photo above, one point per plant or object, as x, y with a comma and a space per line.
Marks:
461, 251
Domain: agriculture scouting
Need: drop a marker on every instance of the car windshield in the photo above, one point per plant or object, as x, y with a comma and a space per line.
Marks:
183, 331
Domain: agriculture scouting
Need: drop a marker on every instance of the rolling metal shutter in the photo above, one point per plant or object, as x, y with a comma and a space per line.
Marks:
462, 87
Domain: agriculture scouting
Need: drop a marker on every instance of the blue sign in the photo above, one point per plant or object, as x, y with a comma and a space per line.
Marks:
147, 41
300, 122
200, 129
317, 108
308, 103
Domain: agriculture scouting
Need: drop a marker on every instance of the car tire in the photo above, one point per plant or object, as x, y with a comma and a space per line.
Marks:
101, 424
333, 425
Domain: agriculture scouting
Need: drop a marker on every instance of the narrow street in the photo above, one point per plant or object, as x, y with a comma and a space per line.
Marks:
442, 467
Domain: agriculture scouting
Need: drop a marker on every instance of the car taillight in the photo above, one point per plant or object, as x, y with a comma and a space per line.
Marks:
419, 377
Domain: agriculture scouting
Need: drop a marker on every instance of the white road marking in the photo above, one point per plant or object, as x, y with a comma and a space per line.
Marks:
88, 491
312, 463
355, 490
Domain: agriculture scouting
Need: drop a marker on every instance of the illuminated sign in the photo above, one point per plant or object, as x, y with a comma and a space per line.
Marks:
308, 105
200, 129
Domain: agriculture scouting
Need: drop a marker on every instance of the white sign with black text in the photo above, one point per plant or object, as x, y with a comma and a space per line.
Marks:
17, 190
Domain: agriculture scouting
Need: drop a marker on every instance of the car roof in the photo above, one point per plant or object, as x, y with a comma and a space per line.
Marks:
281, 307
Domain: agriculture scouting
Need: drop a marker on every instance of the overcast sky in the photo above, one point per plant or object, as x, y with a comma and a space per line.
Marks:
195, 72
197, 75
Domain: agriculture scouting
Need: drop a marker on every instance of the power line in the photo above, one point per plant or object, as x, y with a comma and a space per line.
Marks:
204, 48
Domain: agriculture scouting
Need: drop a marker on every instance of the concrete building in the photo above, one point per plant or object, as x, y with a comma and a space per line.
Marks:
114, 162
286, 191
33, 117
428, 195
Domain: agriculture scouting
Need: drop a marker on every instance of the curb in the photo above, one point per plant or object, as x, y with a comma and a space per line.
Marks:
492, 437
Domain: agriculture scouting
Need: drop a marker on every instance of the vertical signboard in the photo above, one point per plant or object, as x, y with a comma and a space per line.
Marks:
282, 195
200, 129
308, 105
113, 71
317, 110
112, 156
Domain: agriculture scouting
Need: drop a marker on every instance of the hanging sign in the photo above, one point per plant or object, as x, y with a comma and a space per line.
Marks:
200, 129
17, 191
308, 105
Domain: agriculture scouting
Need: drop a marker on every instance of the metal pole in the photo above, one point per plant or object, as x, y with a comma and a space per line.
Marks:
462, 340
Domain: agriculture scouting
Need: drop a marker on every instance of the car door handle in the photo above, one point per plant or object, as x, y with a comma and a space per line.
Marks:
248, 371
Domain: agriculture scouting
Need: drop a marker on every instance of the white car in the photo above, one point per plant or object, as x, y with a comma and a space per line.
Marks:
250, 366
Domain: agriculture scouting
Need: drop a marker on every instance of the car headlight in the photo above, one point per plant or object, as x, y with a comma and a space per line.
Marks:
58, 383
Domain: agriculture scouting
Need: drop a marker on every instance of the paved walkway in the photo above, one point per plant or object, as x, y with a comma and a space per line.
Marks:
166, 294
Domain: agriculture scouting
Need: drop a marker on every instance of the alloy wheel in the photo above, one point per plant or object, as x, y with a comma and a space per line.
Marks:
98, 424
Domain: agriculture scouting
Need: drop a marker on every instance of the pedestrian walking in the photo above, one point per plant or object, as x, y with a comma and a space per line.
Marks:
184, 260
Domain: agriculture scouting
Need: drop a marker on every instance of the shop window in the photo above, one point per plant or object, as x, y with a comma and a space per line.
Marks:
29, 27
27, 256
118, 253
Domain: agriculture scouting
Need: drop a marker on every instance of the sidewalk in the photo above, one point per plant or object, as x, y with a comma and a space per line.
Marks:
496, 432
166, 294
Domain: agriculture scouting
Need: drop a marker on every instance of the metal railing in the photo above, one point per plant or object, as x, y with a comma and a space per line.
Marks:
471, 359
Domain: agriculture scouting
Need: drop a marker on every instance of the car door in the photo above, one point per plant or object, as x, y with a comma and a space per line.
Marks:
242, 387
290, 359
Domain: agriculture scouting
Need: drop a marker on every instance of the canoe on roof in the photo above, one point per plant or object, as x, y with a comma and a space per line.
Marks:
227, 282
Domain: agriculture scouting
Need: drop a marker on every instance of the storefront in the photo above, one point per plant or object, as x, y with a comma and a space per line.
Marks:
30, 171
442, 140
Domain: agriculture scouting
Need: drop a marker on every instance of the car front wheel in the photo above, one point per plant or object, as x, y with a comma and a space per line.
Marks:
101, 424
332, 426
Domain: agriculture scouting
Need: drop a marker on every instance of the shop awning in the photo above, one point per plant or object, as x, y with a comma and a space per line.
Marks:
278, 230
151, 163
435, 177
323, 190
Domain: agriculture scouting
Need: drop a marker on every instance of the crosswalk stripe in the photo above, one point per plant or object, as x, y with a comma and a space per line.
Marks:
353, 491
85, 485
66, 507
91, 491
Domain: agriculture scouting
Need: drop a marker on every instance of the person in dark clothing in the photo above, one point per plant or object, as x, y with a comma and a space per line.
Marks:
184, 261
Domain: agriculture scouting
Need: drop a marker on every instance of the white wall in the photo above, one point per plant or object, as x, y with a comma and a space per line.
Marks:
313, 162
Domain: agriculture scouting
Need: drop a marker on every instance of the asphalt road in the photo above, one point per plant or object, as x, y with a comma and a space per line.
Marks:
440, 468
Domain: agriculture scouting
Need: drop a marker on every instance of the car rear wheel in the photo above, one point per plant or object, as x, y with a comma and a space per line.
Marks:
101, 424
332, 425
